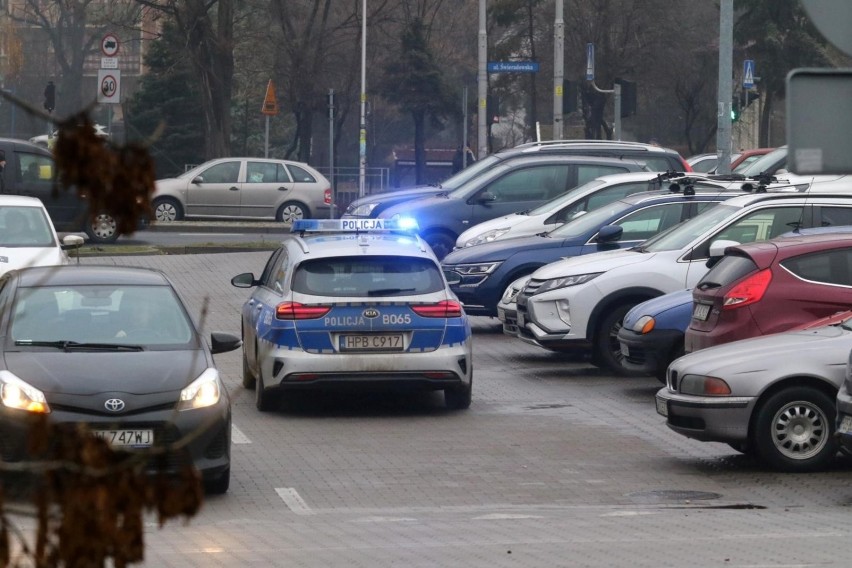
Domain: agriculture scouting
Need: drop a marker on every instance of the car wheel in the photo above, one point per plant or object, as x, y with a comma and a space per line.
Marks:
607, 349
249, 380
794, 430
262, 399
218, 485
291, 211
102, 229
167, 209
458, 398
442, 243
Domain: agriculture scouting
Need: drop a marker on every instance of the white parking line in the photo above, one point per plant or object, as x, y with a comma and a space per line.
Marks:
237, 436
293, 500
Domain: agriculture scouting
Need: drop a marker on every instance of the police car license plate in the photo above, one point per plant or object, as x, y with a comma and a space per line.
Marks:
384, 342
701, 312
135, 438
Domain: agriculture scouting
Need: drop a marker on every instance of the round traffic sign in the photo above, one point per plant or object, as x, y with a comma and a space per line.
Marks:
109, 45
109, 85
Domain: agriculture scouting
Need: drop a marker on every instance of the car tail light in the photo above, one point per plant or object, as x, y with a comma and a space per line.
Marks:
297, 311
443, 309
326, 196
749, 291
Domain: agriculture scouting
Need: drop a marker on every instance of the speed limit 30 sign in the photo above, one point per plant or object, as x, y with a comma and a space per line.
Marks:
109, 86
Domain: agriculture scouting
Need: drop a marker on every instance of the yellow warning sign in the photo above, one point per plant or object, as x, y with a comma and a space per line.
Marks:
270, 104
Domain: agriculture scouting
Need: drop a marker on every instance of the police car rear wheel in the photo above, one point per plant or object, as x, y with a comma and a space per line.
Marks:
262, 399
249, 380
458, 398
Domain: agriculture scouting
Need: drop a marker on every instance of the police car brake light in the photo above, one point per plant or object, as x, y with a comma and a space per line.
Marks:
406, 225
297, 311
443, 309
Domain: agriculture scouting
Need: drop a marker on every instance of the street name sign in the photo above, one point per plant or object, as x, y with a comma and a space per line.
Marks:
513, 66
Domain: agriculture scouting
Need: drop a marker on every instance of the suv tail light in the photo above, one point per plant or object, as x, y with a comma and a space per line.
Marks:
326, 196
748, 291
297, 311
443, 309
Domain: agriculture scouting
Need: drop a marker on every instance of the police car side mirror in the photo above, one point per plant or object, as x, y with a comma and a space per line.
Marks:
244, 280
609, 233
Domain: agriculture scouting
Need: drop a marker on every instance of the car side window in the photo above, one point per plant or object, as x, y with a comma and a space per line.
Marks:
827, 267
301, 174
532, 183
588, 172
599, 199
835, 216
756, 226
261, 172
34, 168
225, 172
281, 272
266, 275
645, 223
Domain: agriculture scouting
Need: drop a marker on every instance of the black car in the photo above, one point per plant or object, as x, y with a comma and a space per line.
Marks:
517, 185
654, 158
30, 170
115, 349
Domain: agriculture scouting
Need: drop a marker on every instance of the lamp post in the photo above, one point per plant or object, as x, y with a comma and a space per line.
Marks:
362, 135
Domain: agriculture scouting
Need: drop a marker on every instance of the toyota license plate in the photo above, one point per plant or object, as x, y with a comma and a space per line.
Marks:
372, 342
701, 312
662, 407
126, 438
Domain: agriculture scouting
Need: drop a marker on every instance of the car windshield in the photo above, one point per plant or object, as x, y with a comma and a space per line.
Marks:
766, 162
371, 276
555, 204
25, 227
101, 314
591, 221
681, 235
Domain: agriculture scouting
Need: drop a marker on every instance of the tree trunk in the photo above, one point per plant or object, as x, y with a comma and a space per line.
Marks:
419, 146
765, 118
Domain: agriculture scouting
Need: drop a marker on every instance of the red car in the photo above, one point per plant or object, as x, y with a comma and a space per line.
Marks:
771, 286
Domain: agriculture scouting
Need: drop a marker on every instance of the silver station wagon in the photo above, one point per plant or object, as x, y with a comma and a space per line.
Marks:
244, 188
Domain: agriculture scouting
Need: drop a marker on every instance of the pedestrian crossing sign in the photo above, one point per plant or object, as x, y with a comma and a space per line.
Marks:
748, 74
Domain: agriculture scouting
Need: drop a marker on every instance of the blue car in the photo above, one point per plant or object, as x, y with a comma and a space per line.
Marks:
652, 334
479, 275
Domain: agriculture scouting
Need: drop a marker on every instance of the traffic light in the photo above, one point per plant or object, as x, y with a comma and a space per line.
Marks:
751, 96
50, 96
492, 107
570, 93
735, 109
628, 97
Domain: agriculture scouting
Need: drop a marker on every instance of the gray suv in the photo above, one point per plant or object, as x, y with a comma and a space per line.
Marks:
516, 185
655, 159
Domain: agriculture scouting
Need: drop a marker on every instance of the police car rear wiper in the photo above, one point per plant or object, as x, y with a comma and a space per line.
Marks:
385, 291
68, 345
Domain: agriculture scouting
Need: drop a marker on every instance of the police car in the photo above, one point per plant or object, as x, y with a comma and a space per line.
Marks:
354, 301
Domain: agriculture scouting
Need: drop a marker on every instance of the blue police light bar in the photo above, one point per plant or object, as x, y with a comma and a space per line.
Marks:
353, 225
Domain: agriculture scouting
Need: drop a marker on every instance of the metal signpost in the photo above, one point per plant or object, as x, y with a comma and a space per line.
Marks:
269, 108
109, 76
616, 88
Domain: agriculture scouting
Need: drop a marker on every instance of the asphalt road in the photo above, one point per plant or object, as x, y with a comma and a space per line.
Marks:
554, 465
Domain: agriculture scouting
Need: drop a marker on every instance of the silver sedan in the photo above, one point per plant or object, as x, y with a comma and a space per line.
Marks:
771, 396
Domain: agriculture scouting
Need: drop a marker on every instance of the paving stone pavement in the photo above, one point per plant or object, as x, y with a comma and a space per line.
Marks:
555, 464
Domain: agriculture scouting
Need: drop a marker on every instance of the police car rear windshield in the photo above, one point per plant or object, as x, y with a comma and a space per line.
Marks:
373, 277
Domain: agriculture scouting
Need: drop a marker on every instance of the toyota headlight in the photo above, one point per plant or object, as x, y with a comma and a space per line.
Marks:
17, 394
202, 392
487, 237
566, 281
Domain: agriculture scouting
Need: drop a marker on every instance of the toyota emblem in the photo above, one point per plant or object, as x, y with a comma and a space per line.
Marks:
114, 405
371, 313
